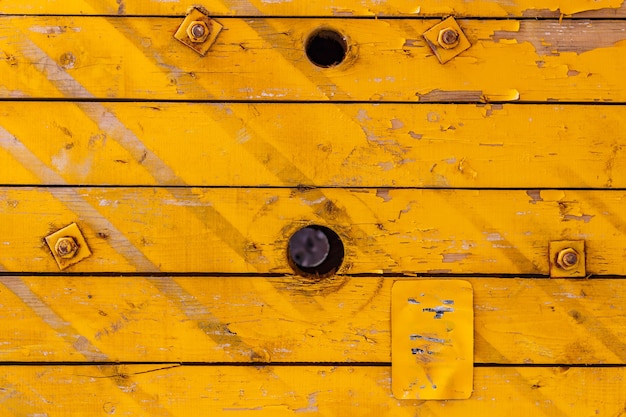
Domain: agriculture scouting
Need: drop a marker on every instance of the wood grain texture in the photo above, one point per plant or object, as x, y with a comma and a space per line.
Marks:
293, 320
264, 59
284, 391
356, 145
202, 168
246, 230
480, 8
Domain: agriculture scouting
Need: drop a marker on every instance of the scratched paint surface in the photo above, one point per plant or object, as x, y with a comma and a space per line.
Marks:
234, 230
264, 59
188, 175
287, 320
432, 333
172, 390
356, 145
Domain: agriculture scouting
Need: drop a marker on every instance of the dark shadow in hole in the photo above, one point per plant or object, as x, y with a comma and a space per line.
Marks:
326, 48
315, 251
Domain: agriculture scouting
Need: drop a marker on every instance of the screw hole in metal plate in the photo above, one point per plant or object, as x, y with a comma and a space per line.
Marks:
315, 251
326, 48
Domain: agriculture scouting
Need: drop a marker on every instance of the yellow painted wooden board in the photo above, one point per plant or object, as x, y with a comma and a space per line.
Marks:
294, 320
246, 230
485, 8
264, 59
432, 145
160, 390
211, 317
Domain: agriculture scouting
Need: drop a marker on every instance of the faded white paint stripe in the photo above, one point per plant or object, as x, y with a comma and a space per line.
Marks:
186, 302
106, 120
75, 202
80, 343
109, 123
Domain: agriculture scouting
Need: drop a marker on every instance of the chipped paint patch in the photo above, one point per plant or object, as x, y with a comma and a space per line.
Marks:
313, 202
48, 30
586, 218
396, 124
454, 257
535, 196
386, 166
555, 38
493, 237
438, 95
384, 194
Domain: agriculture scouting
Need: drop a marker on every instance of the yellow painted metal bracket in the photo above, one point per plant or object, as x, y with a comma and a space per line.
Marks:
567, 259
432, 339
198, 31
68, 246
447, 39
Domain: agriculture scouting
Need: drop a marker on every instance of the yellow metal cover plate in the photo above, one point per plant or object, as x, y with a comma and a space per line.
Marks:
432, 339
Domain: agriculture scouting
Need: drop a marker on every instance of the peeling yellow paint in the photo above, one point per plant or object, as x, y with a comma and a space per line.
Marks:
552, 195
234, 230
209, 180
124, 319
409, 140
381, 67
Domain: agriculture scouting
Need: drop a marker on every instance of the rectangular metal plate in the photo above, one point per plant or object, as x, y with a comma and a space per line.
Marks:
432, 339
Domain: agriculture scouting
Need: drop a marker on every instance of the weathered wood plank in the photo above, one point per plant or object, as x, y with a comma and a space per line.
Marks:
253, 319
333, 145
246, 230
264, 59
141, 390
479, 8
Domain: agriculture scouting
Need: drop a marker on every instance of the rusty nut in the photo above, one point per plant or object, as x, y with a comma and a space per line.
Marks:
567, 259
448, 38
66, 247
198, 31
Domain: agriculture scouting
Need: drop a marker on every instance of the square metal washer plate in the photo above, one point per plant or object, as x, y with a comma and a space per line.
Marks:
432, 35
555, 247
201, 47
69, 231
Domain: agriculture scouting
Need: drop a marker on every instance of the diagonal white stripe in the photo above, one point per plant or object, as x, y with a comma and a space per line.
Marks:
64, 329
74, 201
106, 120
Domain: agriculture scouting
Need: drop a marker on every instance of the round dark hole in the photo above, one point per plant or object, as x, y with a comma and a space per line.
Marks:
315, 251
326, 48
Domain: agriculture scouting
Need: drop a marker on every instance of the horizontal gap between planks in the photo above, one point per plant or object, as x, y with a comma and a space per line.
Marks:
169, 365
312, 102
247, 275
304, 187
326, 17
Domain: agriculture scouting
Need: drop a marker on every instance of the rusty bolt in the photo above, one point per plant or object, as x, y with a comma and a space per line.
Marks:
567, 259
448, 38
198, 31
66, 247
